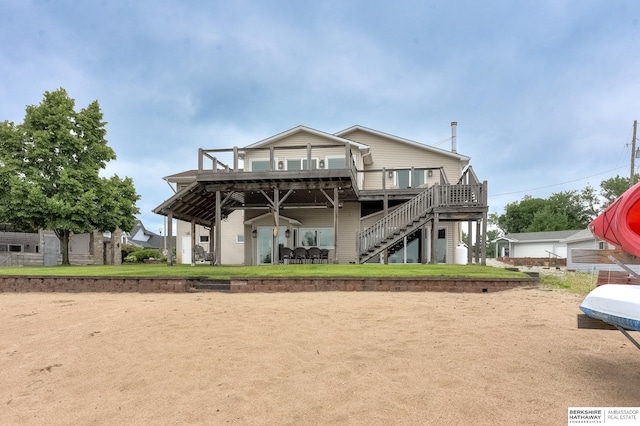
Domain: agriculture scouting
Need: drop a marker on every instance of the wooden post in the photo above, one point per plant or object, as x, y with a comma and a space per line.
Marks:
235, 158
347, 154
633, 154
193, 243
478, 242
212, 246
434, 237
218, 231
336, 201
275, 253
170, 239
272, 165
469, 241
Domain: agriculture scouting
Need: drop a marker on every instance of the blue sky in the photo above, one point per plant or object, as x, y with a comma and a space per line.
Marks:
544, 93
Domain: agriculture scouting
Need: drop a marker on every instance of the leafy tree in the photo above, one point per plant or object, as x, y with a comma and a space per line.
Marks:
519, 215
612, 188
548, 219
51, 164
492, 236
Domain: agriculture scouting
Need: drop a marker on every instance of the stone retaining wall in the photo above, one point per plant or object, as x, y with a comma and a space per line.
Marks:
448, 284
16, 283
180, 285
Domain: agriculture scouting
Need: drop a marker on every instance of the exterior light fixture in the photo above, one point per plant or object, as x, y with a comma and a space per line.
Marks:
321, 164
254, 233
287, 233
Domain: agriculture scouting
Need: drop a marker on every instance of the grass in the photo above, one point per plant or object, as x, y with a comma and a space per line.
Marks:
580, 283
573, 282
226, 272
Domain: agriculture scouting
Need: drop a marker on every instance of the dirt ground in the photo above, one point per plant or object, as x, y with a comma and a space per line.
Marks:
504, 358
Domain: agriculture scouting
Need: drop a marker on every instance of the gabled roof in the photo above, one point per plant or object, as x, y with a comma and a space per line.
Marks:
409, 142
154, 240
584, 235
534, 237
187, 176
298, 129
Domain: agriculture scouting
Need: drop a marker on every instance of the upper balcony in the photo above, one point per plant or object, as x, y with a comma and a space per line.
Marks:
312, 166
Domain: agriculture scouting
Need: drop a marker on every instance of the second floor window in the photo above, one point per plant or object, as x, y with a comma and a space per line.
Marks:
406, 179
335, 163
259, 165
297, 164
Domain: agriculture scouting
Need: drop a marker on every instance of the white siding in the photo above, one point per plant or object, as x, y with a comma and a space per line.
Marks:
301, 139
232, 252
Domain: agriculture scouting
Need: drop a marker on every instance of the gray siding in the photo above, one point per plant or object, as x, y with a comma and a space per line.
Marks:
390, 153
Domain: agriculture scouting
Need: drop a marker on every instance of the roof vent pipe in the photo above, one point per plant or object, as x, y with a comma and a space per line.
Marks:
453, 136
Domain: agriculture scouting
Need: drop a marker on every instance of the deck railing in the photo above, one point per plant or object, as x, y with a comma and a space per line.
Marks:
209, 160
416, 209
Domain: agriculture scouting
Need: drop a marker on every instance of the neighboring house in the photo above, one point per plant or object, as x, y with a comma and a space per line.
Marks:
360, 195
556, 244
534, 244
141, 237
586, 240
43, 249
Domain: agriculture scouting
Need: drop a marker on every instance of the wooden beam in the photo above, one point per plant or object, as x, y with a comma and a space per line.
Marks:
193, 243
336, 208
586, 322
218, 232
602, 256
169, 234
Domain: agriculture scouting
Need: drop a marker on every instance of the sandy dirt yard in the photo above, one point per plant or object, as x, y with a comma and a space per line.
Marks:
366, 358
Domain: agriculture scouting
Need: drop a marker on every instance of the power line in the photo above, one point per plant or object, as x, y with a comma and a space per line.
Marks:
558, 184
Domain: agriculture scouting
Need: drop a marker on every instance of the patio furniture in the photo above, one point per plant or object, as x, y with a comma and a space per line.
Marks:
300, 255
285, 255
314, 254
324, 256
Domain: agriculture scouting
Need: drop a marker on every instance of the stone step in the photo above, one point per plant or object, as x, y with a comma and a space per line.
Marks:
204, 285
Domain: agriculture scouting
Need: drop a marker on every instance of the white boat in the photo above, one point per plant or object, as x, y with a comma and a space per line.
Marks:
616, 304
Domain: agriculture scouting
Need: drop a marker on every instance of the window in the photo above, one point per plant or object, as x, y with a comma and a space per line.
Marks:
294, 164
15, 248
239, 238
260, 165
406, 179
314, 164
204, 238
316, 237
335, 163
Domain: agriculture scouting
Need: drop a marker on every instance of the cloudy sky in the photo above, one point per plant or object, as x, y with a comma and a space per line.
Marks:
545, 93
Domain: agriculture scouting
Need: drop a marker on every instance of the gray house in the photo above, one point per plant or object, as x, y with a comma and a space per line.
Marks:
358, 195
534, 244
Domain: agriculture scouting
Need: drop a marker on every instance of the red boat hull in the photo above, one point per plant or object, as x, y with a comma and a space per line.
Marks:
619, 224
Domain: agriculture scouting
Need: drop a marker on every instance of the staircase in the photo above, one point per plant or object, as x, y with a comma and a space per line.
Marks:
468, 193
393, 227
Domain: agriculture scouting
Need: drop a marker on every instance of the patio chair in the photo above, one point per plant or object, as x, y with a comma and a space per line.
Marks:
324, 256
285, 255
314, 254
300, 255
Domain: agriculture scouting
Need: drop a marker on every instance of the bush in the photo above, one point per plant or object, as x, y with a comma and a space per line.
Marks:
138, 254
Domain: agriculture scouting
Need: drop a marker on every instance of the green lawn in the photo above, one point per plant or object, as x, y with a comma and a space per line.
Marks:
226, 272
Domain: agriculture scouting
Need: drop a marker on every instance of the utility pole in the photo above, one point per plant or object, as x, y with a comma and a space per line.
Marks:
633, 153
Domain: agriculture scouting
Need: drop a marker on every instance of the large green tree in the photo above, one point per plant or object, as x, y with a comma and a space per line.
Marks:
612, 188
561, 211
51, 172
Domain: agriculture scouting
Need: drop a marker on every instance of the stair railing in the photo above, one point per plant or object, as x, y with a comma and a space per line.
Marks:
398, 219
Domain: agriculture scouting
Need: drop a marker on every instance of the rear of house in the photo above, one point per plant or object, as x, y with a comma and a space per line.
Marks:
360, 195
